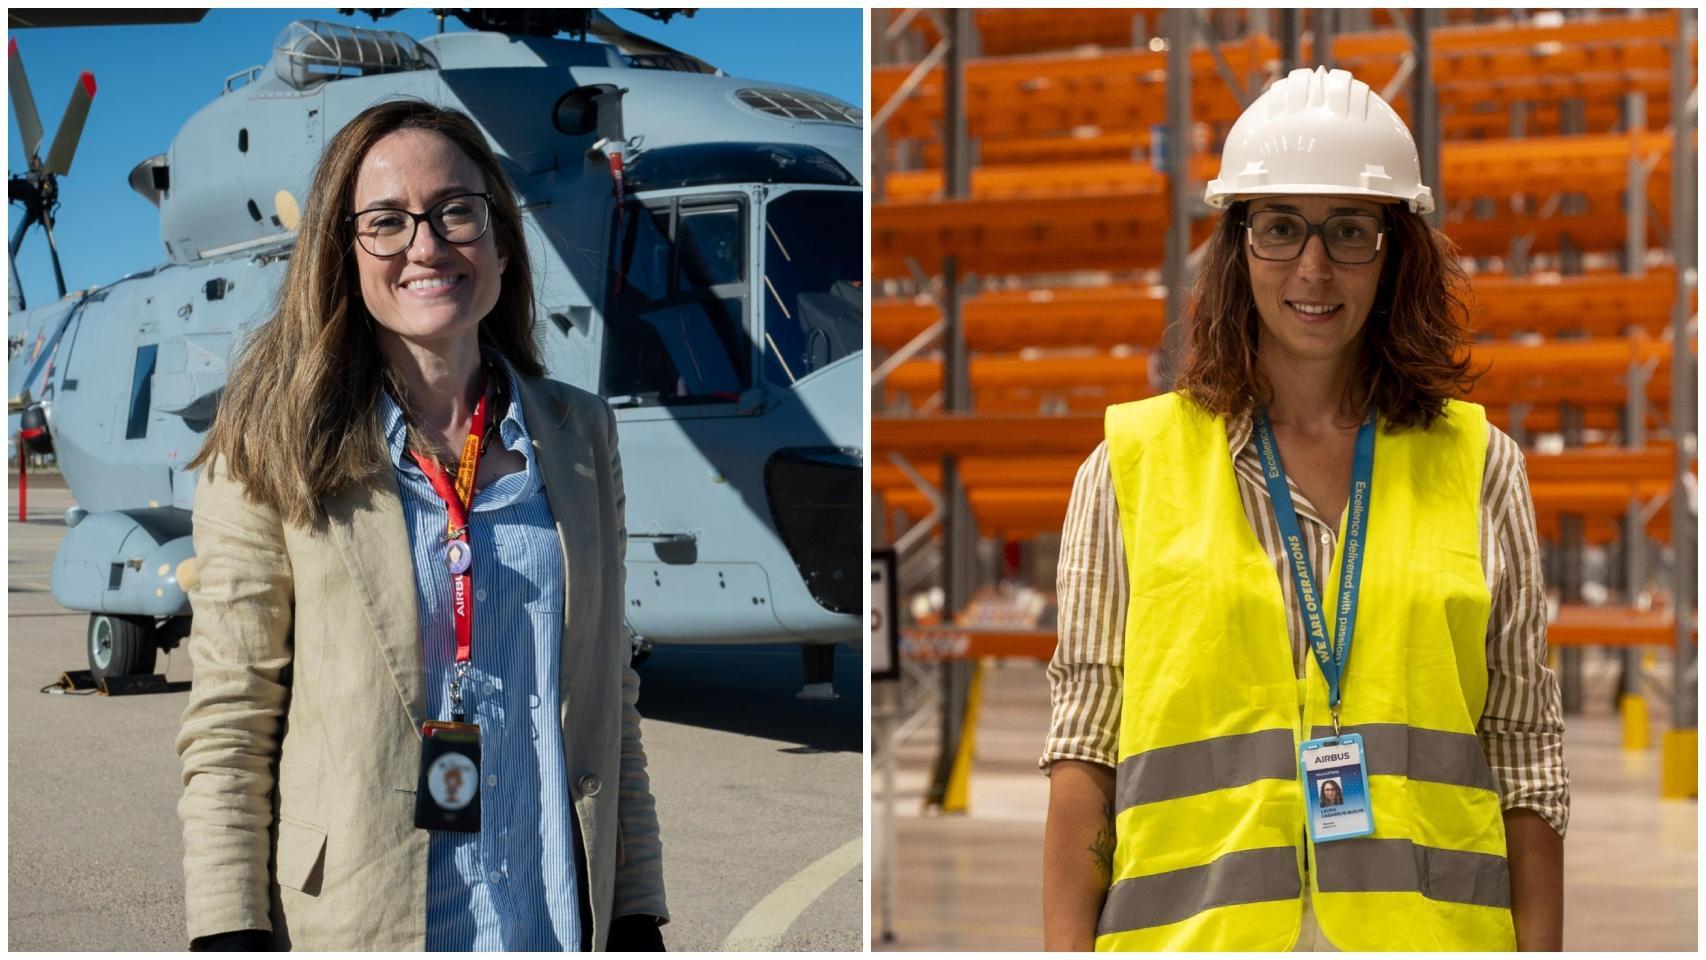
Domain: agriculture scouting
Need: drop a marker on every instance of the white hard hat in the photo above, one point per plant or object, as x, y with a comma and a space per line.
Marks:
1320, 132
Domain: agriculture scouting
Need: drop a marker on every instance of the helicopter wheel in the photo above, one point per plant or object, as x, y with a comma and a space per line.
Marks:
120, 646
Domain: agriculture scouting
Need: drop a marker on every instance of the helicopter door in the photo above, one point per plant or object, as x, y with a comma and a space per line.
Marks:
678, 339
79, 397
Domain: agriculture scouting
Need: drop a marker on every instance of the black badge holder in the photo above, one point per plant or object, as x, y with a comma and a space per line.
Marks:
447, 794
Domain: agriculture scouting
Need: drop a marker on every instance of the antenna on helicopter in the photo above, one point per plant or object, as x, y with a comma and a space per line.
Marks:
37, 189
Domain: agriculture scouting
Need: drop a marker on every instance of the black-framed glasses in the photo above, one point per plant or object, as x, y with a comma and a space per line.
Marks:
1350, 238
388, 231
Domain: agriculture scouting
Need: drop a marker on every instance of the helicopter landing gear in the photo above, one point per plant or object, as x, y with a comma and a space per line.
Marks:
817, 661
121, 646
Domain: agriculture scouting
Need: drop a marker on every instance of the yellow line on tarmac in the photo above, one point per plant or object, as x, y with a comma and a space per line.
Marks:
763, 926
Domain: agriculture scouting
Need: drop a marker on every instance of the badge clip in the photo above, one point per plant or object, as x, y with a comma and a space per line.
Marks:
456, 691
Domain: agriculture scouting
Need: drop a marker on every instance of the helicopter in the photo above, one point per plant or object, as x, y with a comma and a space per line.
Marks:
698, 255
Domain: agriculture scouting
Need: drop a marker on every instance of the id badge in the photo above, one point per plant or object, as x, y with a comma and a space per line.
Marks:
447, 796
1335, 788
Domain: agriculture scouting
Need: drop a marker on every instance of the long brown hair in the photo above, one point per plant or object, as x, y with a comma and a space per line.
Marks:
1414, 346
298, 417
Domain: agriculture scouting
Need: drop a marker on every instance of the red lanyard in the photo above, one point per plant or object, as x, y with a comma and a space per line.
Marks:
457, 552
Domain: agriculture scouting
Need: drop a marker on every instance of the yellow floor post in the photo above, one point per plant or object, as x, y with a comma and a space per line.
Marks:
957, 798
1636, 735
1679, 764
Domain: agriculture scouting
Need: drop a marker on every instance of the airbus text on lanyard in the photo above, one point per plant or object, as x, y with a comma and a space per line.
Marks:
1334, 771
458, 554
447, 795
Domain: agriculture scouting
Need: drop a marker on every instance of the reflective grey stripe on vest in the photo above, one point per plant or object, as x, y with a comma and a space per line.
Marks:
1437, 756
1167, 773
1219, 763
1248, 876
1366, 865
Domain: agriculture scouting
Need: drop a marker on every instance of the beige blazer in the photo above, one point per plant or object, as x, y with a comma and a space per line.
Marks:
301, 743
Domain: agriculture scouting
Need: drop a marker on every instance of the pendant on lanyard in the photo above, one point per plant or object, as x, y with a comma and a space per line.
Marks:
1334, 770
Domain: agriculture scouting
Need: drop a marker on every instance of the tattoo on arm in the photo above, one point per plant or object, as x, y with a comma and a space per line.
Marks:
1102, 848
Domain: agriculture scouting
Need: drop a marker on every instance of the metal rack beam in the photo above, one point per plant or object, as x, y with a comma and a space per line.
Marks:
1685, 197
1598, 305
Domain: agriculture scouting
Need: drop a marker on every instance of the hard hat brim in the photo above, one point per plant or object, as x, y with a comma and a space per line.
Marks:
1219, 196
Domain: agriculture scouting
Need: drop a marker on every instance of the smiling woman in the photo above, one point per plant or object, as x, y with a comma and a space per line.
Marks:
1275, 269
1315, 430
380, 749
433, 286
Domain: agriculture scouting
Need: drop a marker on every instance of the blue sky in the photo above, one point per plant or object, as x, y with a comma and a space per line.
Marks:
150, 80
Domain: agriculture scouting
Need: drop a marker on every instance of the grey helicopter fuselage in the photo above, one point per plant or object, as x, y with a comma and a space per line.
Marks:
709, 292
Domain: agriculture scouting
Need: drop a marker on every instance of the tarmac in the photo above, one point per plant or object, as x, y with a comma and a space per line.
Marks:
973, 881
758, 793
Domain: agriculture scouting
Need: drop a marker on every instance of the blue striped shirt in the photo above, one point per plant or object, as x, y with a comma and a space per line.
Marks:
513, 885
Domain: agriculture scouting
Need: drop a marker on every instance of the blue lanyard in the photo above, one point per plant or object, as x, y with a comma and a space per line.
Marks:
1330, 652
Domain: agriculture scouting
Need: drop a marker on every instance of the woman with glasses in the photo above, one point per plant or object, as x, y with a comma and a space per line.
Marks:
1309, 564
413, 721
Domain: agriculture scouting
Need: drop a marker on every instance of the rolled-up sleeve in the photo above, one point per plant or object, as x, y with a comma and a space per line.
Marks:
239, 648
1085, 673
1522, 726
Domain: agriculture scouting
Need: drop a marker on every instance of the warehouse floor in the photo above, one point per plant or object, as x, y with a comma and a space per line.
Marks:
973, 881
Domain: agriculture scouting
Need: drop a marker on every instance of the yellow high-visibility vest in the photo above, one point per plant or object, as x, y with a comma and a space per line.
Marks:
1208, 801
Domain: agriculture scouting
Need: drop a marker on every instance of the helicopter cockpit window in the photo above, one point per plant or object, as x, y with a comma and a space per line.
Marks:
141, 393
676, 324
702, 164
709, 248
813, 304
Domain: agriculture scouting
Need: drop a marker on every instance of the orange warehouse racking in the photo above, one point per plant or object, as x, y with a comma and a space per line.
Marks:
1020, 184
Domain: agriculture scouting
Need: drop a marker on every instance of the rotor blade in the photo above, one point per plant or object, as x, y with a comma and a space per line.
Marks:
15, 290
24, 225
53, 250
71, 125
23, 102
28, 220
97, 17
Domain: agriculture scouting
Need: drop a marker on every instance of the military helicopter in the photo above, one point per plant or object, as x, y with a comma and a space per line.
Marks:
697, 243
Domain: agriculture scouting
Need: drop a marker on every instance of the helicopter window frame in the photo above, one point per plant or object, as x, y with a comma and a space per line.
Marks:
801, 339
626, 307
142, 392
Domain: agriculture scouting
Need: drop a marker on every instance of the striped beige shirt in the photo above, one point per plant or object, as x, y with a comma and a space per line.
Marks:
1522, 727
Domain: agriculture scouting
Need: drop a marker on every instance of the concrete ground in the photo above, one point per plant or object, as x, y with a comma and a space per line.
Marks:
974, 881
759, 794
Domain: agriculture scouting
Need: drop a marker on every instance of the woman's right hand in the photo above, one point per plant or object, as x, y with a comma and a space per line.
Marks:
1078, 852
